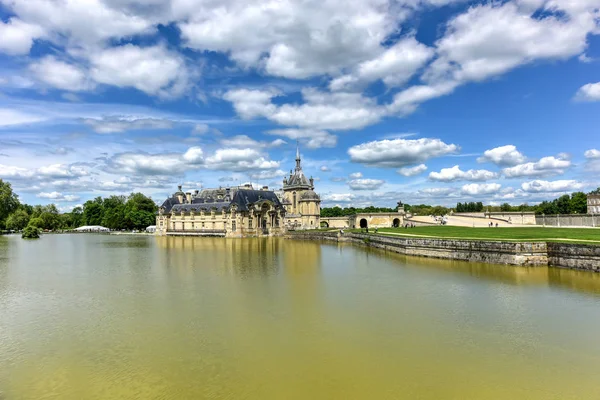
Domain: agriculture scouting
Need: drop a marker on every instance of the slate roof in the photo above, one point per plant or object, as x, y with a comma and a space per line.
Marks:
298, 179
169, 203
242, 198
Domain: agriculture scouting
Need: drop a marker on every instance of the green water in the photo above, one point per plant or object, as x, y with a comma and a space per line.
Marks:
127, 317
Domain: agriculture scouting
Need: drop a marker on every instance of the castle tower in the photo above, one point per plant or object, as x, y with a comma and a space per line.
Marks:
303, 205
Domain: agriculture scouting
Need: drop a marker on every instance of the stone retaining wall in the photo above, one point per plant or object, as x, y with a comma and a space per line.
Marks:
574, 256
562, 255
530, 254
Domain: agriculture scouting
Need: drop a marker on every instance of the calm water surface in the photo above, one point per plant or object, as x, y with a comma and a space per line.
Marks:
126, 317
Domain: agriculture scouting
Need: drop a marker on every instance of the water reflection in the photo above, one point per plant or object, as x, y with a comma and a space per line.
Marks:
102, 317
578, 281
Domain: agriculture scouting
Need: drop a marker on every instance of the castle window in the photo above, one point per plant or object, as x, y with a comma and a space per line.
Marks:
233, 226
294, 200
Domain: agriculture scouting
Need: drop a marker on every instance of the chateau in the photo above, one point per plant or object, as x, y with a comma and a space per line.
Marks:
242, 211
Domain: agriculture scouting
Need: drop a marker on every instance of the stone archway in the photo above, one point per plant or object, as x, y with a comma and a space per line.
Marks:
396, 223
324, 224
363, 223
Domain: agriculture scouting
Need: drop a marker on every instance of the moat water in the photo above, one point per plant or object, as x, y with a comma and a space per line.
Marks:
140, 317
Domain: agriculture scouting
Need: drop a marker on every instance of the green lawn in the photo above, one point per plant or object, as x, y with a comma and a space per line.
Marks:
581, 235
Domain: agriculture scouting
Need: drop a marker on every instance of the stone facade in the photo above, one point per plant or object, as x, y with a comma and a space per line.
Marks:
365, 220
242, 211
593, 204
231, 212
302, 204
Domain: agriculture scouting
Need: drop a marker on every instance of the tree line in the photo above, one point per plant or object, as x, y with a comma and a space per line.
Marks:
469, 207
135, 211
575, 203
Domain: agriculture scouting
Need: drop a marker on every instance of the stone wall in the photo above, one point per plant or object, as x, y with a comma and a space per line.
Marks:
573, 256
521, 218
582, 220
336, 222
513, 253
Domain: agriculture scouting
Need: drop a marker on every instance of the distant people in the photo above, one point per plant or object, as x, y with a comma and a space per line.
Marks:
375, 230
367, 229
496, 224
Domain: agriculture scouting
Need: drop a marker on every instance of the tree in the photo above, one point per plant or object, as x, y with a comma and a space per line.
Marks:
17, 220
505, 207
31, 232
140, 211
36, 222
563, 203
578, 203
596, 191
9, 202
93, 211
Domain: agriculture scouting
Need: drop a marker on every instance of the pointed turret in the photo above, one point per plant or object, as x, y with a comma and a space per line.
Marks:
298, 166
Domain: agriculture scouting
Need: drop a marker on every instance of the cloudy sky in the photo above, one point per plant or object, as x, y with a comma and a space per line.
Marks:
433, 101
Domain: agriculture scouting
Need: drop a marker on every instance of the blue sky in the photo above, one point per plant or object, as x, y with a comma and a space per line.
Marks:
421, 101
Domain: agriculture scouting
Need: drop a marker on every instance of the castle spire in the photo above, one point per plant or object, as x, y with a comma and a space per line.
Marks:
298, 167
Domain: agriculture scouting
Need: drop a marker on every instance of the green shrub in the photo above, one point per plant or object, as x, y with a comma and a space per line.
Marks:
31, 232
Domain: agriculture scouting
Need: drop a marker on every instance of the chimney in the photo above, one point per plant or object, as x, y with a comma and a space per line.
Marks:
196, 193
312, 182
188, 197
265, 188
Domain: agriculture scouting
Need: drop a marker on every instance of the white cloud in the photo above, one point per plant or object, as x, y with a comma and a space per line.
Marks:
491, 39
244, 141
365, 184
239, 160
592, 154
200, 129
267, 174
456, 174
78, 22
320, 110
61, 75
61, 171
412, 171
155, 164
10, 117
504, 156
56, 196
311, 138
10, 171
338, 197
123, 124
394, 66
475, 189
400, 152
437, 192
292, 39
18, 36
588, 92
539, 186
355, 175
324, 168
153, 70
546, 166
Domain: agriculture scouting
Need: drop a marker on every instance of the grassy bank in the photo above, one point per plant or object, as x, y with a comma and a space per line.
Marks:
567, 235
